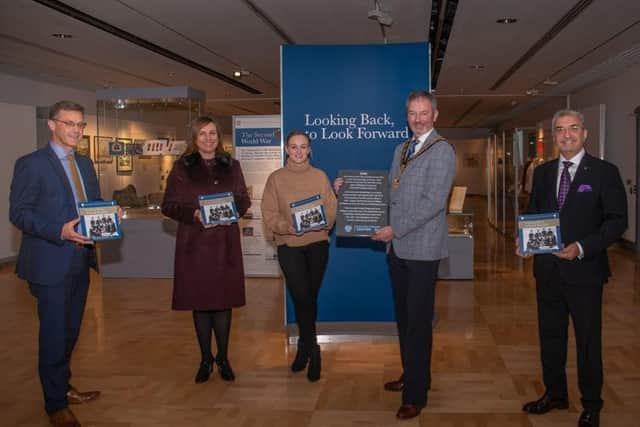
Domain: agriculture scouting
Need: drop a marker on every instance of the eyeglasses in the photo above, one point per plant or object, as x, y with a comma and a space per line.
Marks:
71, 125
571, 129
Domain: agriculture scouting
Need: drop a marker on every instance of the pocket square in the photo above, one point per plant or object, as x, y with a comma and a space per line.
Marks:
584, 188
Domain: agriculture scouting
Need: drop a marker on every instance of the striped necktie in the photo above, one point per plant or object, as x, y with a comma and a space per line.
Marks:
412, 148
77, 184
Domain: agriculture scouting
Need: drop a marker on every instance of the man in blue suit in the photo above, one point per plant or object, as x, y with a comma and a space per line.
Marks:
54, 257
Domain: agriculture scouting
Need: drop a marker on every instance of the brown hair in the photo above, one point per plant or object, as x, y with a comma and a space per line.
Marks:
196, 126
66, 106
297, 133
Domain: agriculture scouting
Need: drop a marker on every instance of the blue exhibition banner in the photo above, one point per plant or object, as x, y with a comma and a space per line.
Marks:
350, 100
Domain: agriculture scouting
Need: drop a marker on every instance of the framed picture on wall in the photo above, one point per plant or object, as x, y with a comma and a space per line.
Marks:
83, 146
124, 165
101, 146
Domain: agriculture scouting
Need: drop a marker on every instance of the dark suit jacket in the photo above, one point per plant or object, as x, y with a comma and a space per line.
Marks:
594, 214
41, 201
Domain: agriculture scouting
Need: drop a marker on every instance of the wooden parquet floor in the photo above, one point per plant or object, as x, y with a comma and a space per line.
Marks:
143, 357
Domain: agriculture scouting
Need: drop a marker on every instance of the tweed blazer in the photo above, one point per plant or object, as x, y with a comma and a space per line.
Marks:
418, 203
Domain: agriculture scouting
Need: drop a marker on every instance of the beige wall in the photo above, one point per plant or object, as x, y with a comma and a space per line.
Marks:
19, 138
471, 165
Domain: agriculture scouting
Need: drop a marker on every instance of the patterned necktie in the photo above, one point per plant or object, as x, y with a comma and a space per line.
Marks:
565, 183
76, 178
412, 148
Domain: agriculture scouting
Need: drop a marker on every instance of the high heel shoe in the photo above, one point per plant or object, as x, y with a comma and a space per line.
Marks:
224, 368
204, 372
315, 364
301, 359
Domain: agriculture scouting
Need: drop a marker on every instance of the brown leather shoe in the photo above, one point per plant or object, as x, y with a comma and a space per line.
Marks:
64, 418
408, 411
75, 397
396, 385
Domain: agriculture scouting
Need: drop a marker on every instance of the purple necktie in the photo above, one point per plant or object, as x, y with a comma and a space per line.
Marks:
565, 183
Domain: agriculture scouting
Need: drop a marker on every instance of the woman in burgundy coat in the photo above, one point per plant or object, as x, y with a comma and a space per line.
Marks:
209, 276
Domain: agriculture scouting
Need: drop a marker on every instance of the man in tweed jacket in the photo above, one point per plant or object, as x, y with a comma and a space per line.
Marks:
420, 180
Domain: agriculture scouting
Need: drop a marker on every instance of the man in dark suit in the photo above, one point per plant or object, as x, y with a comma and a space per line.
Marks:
421, 175
592, 202
54, 258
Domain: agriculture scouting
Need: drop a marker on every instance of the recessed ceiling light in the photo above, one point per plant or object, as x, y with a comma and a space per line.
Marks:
532, 92
549, 82
62, 35
238, 74
477, 67
172, 74
506, 20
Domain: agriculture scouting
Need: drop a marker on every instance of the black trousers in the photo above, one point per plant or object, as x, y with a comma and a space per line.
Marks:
413, 284
303, 268
60, 310
556, 302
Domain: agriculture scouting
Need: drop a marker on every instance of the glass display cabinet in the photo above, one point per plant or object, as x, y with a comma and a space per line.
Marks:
139, 135
459, 264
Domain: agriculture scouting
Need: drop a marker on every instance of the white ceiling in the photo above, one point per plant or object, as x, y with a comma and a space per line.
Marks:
225, 35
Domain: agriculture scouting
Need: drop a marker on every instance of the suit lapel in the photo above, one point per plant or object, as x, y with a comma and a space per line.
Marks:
584, 169
552, 182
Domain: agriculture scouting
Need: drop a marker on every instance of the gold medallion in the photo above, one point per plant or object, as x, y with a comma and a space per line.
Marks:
396, 182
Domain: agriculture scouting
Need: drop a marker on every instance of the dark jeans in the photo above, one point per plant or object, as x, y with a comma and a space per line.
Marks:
413, 284
303, 268
556, 302
60, 310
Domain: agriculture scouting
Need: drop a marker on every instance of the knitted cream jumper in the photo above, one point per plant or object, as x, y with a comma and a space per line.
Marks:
289, 184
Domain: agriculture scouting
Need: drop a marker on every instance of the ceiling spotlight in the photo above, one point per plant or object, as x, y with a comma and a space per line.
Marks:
238, 74
506, 20
62, 35
532, 92
120, 104
477, 67
550, 82
377, 14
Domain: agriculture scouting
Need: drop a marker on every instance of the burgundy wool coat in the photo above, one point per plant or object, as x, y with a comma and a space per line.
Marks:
209, 274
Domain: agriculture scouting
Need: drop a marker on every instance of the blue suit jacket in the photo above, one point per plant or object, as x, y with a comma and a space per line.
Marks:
41, 201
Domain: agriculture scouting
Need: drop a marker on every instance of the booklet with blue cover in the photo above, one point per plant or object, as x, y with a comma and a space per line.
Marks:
99, 220
218, 208
539, 233
308, 214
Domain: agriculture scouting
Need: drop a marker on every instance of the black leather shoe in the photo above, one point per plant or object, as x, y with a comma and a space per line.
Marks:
589, 419
315, 364
301, 359
224, 368
204, 372
396, 385
545, 404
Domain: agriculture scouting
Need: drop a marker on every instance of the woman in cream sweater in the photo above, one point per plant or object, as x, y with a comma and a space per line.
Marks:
303, 256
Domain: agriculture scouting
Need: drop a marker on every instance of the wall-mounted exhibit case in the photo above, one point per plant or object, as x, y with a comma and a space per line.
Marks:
140, 133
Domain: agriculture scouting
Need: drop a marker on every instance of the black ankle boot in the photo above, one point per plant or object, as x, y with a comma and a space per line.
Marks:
301, 359
315, 364
204, 372
224, 368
